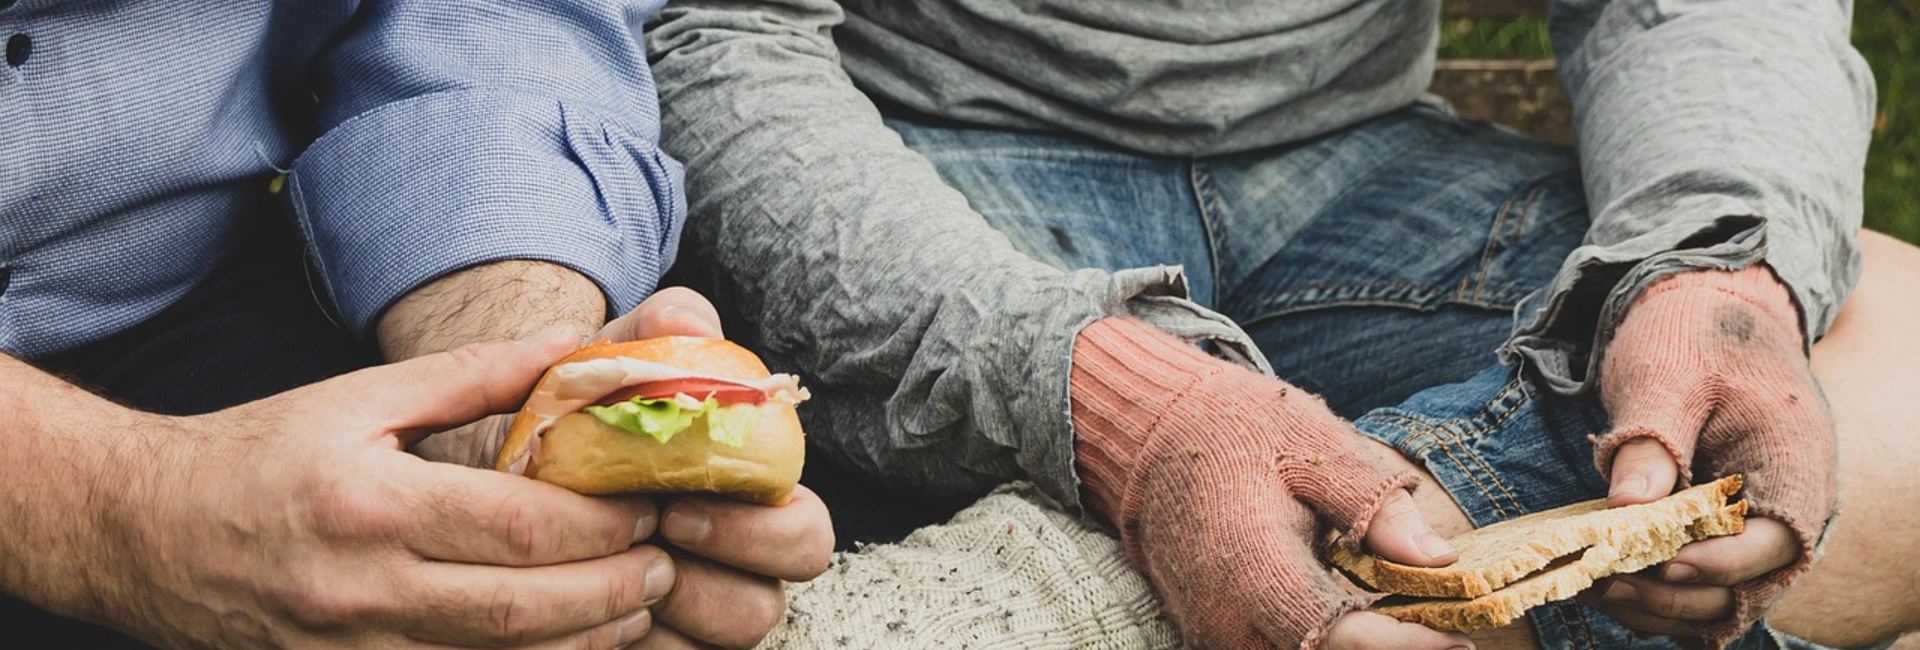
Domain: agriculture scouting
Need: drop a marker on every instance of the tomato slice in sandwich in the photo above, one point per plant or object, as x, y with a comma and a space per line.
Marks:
725, 392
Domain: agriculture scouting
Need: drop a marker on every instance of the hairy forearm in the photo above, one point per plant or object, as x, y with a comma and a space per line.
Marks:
501, 300
68, 469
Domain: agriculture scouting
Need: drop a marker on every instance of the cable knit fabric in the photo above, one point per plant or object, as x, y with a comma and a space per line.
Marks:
1220, 515
1710, 364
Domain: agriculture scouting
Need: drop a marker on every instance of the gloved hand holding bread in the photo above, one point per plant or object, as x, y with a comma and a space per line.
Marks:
1510, 567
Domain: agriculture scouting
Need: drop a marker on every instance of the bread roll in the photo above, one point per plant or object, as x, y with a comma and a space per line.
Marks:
575, 450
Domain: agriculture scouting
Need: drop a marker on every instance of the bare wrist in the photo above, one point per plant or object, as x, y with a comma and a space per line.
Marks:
79, 464
498, 300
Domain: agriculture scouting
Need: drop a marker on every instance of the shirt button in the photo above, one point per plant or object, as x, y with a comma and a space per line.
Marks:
18, 49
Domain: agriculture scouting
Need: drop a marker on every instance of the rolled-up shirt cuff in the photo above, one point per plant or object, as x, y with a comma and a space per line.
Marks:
399, 196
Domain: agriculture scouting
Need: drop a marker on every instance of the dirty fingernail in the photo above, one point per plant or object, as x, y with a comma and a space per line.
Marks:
1620, 591
686, 525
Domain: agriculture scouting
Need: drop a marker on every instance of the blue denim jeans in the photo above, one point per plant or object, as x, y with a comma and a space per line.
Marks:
1378, 266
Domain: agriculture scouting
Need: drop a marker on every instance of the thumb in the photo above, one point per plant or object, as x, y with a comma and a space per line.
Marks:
1398, 533
451, 388
1657, 420
673, 311
1370, 631
1643, 471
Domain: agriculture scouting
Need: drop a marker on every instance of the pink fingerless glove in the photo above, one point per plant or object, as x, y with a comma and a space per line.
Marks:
1213, 475
1711, 363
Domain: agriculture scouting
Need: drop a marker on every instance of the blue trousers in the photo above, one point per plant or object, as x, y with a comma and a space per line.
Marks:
1379, 266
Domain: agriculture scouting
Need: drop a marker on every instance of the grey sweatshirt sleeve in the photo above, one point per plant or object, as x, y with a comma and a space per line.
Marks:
1712, 134
937, 353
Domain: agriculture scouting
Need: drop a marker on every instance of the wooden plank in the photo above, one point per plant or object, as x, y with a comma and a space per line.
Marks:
1532, 67
1496, 9
1523, 94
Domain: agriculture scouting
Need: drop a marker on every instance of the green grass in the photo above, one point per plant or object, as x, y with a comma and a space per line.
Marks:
1887, 33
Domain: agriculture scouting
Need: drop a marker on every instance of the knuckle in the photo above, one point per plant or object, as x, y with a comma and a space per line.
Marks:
612, 531
316, 603
758, 614
525, 539
352, 509
472, 356
1718, 571
1667, 604
479, 360
1714, 565
627, 590
509, 617
1398, 509
605, 637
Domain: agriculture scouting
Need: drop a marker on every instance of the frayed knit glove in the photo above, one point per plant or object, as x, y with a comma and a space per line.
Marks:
1218, 480
1710, 365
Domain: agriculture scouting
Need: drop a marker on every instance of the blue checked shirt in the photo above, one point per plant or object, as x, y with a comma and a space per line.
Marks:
423, 136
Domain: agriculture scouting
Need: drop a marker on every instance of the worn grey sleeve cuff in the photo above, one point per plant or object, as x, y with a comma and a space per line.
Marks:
1562, 332
1711, 134
1159, 297
947, 431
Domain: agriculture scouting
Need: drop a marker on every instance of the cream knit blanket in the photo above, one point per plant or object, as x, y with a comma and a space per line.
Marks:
1011, 571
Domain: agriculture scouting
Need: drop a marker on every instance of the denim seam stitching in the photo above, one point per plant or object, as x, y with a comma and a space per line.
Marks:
1434, 434
1419, 428
1420, 138
1283, 302
1507, 392
1511, 387
1564, 613
1206, 201
1434, 440
1577, 613
1496, 236
1459, 439
1470, 285
1586, 628
1456, 440
1272, 304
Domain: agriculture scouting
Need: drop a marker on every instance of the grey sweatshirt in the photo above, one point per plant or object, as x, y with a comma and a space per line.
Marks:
1711, 134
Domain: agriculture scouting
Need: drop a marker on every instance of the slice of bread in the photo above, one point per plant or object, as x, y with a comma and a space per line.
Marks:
1500, 554
1560, 582
1510, 567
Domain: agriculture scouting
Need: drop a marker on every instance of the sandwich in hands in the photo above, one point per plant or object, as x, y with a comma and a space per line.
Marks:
1510, 567
671, 414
